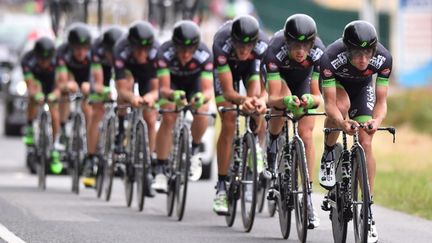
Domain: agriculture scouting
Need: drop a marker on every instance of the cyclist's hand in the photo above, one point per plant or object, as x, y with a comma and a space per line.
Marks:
307, 101
347, 126
291, 102
136, 101
179, 97
371, 126
39, 97
198, 100
260, 105
248, 104
148, 100
52, 97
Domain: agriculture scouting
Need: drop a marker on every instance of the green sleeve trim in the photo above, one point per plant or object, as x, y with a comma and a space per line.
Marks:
315, 76
274, 76
95, 66
61, 69
207, 75
362, 119
128, 72
380, 81
223, 69
339, 85
219, 99
28, 76
164, 101
163, 72
329, 83
253, 78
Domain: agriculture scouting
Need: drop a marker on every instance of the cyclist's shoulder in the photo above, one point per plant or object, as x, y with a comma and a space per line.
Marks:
383, 51
335, 50
223, 33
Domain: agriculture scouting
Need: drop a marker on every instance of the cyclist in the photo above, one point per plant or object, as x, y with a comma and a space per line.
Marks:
292, 65
72, 75
185, 75
134, 62
238, 48
350, 99
38, 66
101, 72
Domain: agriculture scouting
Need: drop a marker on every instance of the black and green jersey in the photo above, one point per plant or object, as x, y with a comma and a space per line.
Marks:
32, 70
67, 63
125, 63
336, 68
98, 59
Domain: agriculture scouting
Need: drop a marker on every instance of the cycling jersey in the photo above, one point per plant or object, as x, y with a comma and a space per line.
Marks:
66, 62
125, 64
225, 59
279, 66
99, 59
336, 70
31, 70
187, 77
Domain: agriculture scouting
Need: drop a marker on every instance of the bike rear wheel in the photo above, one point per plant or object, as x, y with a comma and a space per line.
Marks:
300, 189
360, 195
232, 197
182, 171
108, 158
261, 192
249, 177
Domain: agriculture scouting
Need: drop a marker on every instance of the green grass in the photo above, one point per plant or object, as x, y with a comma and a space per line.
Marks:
405, 191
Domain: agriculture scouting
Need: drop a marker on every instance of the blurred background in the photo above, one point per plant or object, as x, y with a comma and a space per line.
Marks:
404, 179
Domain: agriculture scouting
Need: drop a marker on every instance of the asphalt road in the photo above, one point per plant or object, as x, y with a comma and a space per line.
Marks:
56, 215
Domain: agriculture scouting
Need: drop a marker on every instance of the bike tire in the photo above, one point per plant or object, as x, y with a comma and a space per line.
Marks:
337, 215
141, 163
249, 177
128, 180
360, 191
108, 157
76, 148
300, 188
182, 172
232, 197
44, 150
261, 193
284, 200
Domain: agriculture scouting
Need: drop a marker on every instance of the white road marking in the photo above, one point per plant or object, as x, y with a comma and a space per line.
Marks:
8, 236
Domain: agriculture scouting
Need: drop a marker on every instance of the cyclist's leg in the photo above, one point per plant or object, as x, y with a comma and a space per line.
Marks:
32, 109
199, 125
86, 108
327, 166
150, 117
54, 111
361, 111
224, 143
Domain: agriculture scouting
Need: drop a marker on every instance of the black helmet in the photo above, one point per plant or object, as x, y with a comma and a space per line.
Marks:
300, 28
79, 34
186, 33
245, 29
360, 35
141, 34
110, 37
44, 48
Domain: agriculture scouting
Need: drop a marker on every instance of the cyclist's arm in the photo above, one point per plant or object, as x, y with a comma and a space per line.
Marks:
274, 87
228, 90
61, 76
206, 78
154, 89
314, 89
32, 84
97, 77
124, 88
163, 74
329, 91
381, 89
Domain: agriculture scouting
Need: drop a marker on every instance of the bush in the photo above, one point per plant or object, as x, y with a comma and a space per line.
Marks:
413, 107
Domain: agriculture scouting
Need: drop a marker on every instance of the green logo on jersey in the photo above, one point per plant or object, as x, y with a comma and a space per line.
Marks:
187, 42
302, 37
246, 39
144, 42
83, 39
46, 53
364, 44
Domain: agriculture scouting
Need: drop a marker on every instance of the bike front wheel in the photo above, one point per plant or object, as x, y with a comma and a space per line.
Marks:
141, 163
300, 188
360, 195
77, 146
43, 148
182, 171
249, 178
108, 175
